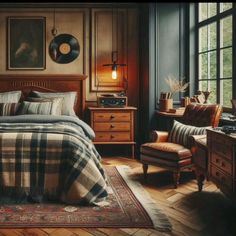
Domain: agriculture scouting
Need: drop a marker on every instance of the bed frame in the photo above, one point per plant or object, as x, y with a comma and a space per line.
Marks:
46, 83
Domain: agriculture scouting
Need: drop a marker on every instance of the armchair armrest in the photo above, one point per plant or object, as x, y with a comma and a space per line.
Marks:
201, 139
159, 136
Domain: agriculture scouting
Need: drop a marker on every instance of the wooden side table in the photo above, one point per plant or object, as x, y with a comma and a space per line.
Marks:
165, 119
113, 125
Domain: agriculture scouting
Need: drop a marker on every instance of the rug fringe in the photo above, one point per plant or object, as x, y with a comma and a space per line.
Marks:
159, 219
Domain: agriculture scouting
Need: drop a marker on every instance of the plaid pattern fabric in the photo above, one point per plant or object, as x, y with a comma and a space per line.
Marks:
53, 160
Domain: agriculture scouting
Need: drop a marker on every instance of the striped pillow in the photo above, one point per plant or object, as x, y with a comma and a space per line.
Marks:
8, 109
180, 133
68, 103
41, 108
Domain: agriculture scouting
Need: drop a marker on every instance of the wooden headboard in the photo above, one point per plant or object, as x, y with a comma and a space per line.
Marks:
47, 83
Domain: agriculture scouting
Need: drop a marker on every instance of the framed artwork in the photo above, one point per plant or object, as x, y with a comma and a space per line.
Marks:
26, 43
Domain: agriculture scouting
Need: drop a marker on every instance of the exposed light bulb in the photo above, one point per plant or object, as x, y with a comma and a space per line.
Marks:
114, 72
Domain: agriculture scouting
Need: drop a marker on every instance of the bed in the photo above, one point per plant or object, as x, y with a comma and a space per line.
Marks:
48, 156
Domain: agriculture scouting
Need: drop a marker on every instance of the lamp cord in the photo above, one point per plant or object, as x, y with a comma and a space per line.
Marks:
54, 30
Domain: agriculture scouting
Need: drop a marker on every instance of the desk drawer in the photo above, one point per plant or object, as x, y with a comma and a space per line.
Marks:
222, 146
221, 178
112, 126
112, 116
221, 163
112, 136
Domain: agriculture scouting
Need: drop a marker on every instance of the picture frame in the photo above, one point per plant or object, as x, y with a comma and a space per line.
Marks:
26, 43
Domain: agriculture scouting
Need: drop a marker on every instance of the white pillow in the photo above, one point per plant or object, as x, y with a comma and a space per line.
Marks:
67, 103
10, 97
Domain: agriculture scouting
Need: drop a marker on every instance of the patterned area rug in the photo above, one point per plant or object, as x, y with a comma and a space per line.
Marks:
128, 205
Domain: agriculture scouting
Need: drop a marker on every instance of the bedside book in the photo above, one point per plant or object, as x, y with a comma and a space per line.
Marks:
177, 110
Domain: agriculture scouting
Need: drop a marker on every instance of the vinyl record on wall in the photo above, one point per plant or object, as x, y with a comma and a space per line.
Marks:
64, 48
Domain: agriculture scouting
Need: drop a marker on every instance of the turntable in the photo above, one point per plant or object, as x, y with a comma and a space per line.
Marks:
112, 100
228, 129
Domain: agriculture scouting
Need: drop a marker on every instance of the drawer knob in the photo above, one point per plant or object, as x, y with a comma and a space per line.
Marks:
112, 116
112, 126
112, 136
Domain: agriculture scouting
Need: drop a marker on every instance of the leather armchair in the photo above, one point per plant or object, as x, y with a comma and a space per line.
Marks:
173, 156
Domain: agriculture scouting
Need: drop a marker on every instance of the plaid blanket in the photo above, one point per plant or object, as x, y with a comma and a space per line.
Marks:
51, 160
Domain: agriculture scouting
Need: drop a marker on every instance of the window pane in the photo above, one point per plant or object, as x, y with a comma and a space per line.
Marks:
203, 85
212, 89
226, 63
211, 9
209, 85
203, 39
227, 92
212, 36
226, 32
225, 6
203, 62
202, 11
212, 71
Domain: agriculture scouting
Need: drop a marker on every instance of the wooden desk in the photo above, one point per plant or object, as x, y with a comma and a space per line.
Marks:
222, 161
165, 119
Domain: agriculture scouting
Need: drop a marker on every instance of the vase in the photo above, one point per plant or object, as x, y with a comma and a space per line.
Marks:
206, 95
165, 104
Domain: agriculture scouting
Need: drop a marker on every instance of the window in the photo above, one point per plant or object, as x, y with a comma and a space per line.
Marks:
215, 51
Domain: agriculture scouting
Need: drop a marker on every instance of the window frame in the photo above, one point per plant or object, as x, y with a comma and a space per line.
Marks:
217, 19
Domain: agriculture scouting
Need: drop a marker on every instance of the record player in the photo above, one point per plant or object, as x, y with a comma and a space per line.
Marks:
112, 100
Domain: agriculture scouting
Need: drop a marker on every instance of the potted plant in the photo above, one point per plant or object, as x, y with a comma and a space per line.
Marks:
175, 86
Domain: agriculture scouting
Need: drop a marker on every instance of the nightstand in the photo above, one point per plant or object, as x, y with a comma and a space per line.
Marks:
113, 125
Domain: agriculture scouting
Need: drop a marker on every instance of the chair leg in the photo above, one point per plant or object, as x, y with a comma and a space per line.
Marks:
200, 180
200, 176
145, 169
176, 177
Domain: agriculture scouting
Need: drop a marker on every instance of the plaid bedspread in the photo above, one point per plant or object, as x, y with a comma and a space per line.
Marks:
53, 160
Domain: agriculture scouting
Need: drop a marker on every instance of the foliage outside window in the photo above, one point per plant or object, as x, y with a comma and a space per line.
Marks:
215, 51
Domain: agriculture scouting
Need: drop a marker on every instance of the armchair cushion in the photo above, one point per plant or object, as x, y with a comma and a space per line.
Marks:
180, 133
174, 154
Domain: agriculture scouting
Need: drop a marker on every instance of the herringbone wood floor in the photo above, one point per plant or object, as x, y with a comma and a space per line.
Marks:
191, 213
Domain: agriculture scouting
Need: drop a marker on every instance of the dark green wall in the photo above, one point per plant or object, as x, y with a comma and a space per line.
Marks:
167, 28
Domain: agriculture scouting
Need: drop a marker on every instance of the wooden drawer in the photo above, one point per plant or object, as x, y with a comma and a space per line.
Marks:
220, 177
112, 136
222, 163
111, 116
112, 126
222, 146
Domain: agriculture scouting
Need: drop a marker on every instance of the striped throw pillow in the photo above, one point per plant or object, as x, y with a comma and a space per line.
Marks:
68, 103
41, 108
180, 133
8, 109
